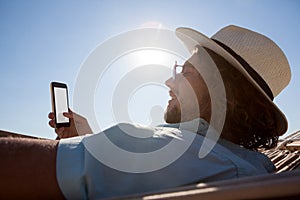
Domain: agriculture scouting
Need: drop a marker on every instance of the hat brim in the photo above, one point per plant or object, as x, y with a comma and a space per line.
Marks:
192, 38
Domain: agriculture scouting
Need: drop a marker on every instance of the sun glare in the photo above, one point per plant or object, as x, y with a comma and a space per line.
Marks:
152, 56
152, 24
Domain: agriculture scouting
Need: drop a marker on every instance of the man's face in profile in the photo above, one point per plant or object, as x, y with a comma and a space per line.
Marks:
188, 94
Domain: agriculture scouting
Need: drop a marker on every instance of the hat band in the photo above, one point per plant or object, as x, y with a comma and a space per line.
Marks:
258, 79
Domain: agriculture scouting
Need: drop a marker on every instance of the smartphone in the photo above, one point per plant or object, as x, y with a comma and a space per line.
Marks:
60, 103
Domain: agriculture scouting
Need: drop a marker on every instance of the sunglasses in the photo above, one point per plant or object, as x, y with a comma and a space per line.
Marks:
177, 69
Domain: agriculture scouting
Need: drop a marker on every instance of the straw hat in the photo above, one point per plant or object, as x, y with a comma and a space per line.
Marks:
257, 57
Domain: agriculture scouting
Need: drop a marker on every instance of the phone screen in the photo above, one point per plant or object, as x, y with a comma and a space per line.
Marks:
61, 104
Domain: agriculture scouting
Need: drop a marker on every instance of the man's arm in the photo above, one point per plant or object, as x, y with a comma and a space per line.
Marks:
28, 169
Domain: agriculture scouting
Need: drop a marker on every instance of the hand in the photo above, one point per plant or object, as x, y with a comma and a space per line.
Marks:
78, 125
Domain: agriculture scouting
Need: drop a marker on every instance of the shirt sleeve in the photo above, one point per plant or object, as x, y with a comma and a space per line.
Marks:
69, 168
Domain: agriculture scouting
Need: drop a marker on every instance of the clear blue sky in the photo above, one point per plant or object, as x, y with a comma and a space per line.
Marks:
45, 40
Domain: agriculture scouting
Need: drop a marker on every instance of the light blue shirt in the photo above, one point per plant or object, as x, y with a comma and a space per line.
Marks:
129, 159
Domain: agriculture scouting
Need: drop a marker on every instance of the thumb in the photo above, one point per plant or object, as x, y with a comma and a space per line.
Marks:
68, 115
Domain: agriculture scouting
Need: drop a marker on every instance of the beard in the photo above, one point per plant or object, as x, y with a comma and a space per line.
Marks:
182, 111
173, 112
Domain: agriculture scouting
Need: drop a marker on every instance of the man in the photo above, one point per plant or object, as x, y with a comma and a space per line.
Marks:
253, 70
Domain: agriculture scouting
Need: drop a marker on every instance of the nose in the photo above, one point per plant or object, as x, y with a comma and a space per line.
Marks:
170, 82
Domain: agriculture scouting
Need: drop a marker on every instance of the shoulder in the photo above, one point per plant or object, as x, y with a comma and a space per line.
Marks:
258, 162
143, 131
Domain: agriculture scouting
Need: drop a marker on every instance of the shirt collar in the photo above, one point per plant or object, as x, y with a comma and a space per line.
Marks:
197, 125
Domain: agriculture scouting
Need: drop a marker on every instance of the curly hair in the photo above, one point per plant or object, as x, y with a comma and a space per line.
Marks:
250, 118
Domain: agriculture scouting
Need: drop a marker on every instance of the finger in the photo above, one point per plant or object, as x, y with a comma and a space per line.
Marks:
51, 115
68, 115
52, 123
